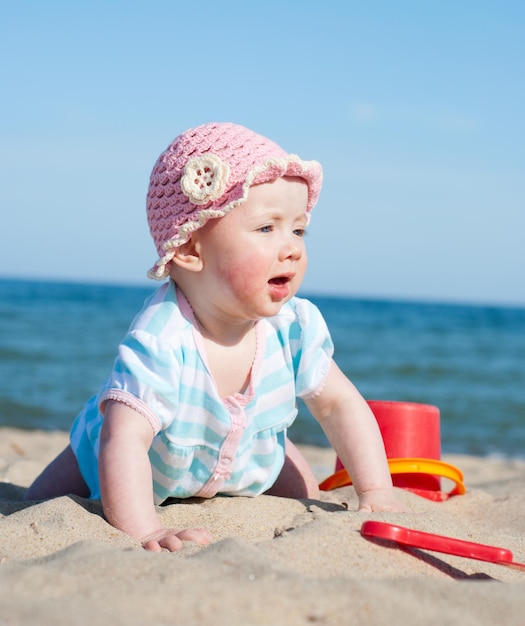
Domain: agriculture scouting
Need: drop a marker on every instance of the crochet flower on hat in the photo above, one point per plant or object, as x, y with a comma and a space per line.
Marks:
205, 178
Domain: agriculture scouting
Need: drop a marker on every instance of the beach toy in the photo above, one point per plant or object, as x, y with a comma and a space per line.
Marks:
439, 543
405, 468
412, 438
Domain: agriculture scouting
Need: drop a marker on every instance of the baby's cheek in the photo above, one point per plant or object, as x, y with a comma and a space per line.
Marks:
246, 276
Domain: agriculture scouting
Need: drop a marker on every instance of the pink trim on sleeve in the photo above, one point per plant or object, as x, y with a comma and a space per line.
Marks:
134, 403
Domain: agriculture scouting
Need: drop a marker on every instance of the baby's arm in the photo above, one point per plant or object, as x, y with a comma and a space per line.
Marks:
354, 434
126, 481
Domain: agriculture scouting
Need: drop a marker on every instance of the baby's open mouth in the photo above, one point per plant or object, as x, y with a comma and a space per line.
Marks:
279, 280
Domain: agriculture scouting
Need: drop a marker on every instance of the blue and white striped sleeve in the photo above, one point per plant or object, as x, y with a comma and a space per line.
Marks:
312, 349
146, 377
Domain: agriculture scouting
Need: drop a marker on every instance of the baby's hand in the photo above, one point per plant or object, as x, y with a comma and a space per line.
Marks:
171, 539
377, 500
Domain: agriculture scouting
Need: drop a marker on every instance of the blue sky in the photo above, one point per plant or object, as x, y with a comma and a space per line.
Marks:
414, 108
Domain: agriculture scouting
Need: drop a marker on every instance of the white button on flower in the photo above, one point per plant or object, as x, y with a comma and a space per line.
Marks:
204, 179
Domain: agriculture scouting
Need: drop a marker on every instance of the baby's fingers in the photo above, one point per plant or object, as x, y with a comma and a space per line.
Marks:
172, 539
170, 542
201, 536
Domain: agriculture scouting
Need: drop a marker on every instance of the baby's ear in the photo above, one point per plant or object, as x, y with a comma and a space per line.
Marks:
188, 256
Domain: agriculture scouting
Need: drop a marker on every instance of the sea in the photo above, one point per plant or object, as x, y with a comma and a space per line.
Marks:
58, 341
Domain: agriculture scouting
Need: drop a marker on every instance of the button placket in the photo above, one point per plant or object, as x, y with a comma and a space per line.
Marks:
228, 449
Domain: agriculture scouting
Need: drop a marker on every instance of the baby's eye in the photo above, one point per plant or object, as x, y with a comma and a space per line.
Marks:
266, 229
299, 232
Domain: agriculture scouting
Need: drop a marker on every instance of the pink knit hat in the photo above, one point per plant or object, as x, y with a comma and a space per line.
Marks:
205, 173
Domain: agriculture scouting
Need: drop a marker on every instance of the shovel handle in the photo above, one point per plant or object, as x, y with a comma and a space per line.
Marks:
438, 543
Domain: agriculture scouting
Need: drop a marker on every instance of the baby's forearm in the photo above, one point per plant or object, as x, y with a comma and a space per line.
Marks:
126, 488
365, 461
358, 443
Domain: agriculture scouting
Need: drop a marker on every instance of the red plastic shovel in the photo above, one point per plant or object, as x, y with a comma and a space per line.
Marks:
439, 543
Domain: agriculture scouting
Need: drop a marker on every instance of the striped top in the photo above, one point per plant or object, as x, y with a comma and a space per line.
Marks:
204, 444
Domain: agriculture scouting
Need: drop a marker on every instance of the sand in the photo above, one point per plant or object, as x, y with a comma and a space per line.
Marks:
273, 561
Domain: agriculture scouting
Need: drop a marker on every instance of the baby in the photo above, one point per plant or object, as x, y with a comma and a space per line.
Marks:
205, 382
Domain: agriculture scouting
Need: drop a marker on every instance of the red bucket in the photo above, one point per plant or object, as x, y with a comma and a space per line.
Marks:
409, 430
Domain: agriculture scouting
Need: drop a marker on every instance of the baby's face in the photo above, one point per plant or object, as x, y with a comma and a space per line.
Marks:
254, 258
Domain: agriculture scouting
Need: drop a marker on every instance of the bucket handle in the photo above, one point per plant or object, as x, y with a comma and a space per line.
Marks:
409, 466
